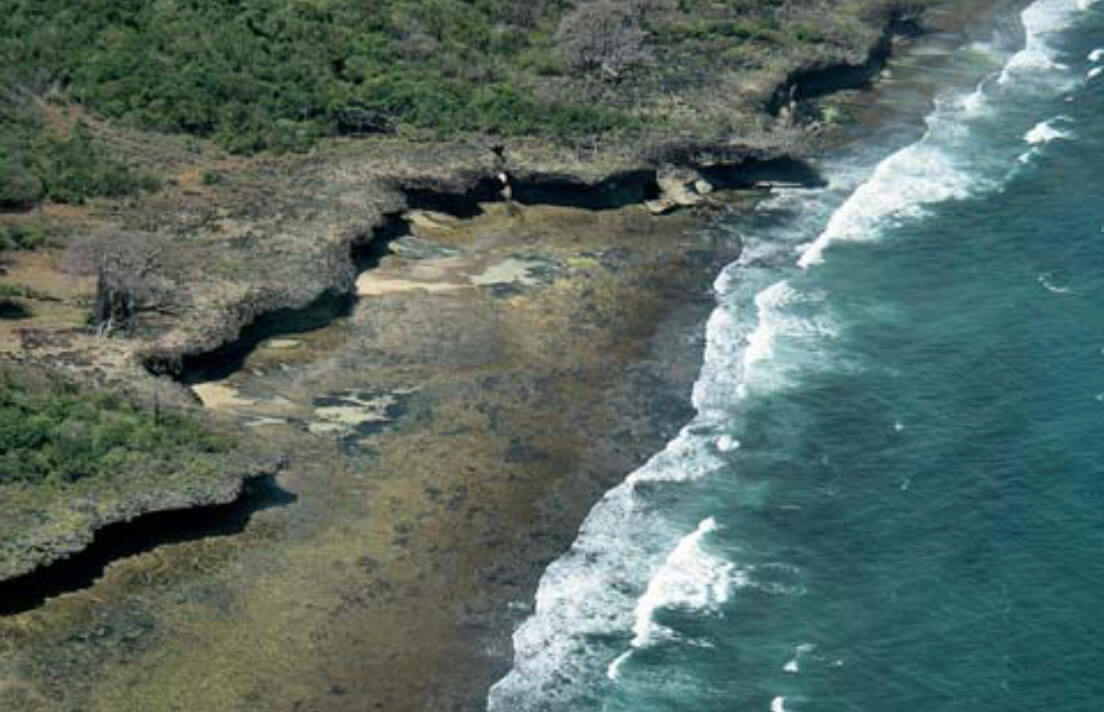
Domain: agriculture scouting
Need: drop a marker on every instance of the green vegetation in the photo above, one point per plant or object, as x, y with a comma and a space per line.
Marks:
37, 165
21, 237
53, 432
278, 74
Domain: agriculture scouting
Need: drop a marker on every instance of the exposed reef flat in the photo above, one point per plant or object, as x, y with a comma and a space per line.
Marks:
444, 443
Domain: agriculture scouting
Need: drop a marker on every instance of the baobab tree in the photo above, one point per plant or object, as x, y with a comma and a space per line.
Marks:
131, 279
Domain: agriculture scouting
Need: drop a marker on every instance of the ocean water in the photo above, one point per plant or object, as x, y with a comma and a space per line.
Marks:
892, 497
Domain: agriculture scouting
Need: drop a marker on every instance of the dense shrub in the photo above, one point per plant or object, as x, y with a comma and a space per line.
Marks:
278, 74
21, 237
37, 165
54, 432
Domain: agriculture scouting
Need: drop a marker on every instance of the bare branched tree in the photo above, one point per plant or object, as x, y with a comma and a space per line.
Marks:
130, 280
603, 35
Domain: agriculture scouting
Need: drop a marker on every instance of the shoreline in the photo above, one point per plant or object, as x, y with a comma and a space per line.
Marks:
861, 131
560, 478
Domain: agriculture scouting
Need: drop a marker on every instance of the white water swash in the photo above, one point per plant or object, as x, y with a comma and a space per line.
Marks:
645, 555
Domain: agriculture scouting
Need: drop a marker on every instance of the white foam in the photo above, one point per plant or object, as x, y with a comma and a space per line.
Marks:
1047, 131
1038, 58
760, 345
738, 350
782, 313
613, 672
1025, 157
1043, 133
933, 169
778, 704
592, 590
793, 666
1045, 280
1096, 55
727, 443
918, 174
691, 578
1094, 72
620, 565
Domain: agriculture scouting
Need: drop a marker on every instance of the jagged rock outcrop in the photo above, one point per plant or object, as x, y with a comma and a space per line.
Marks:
679, 187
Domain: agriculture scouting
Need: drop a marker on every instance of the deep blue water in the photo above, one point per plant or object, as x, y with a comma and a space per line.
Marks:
893, 495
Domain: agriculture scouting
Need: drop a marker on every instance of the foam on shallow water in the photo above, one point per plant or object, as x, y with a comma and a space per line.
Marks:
597, 604
1038, 59
1047, 131
944, 164
925, 172
591, 591
1043, 133
690, 578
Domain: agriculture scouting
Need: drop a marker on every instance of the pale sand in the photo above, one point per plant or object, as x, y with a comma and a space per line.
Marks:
372, 285
219, 396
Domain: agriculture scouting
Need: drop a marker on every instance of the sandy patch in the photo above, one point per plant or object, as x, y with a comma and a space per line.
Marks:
282, 344
265, 422
219, 396
372, 285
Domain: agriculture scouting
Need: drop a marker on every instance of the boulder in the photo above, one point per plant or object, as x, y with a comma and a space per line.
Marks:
679, 187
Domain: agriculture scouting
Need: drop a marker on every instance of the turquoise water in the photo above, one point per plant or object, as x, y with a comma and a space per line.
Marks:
893, 495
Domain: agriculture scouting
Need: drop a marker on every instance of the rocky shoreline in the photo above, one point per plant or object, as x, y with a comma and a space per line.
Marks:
542, 349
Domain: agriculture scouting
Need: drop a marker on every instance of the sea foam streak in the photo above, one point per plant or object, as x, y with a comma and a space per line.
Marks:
630, 556
1047, 131
691, 578
592, 590
1043, 133
928, 171
942, 165
1038, 57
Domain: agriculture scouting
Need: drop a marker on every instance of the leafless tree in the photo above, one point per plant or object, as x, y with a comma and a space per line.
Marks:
603, 35
131, 280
